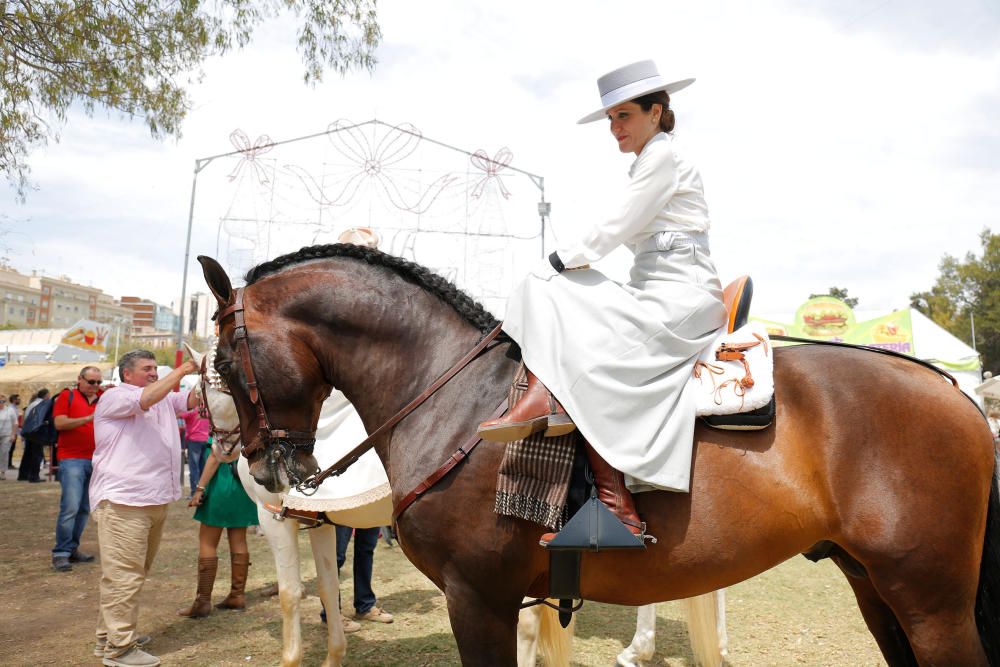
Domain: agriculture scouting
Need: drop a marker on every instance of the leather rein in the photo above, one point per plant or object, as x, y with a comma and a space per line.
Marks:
285, 442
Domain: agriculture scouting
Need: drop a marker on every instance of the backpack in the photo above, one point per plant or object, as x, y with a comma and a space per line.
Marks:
40, 425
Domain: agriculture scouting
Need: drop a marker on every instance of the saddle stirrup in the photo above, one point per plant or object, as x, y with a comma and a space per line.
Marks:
612, 492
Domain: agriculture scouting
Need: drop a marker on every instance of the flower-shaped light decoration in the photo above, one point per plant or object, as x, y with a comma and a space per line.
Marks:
374, 165
249, 153
481, 160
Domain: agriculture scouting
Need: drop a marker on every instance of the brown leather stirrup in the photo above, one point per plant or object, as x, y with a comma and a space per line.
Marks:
537, 410
611, 491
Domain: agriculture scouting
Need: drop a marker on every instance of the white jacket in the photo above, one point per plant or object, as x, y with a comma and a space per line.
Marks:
665, 193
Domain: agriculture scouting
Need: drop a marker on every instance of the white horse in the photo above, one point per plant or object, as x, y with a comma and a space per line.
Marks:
360, 498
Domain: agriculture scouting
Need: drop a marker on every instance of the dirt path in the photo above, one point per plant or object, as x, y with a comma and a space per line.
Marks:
797, 614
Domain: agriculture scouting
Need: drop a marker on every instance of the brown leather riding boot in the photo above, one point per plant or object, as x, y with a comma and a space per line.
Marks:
202, 605
536, 411
236, 599
611, 491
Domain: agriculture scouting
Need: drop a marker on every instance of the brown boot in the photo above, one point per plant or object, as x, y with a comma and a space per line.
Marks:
236, 598
206, 581
536, 411
611, 491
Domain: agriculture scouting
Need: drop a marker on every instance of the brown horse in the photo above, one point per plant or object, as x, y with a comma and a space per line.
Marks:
877, 457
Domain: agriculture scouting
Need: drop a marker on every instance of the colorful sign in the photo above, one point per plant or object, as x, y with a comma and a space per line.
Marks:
88, 335
829, 318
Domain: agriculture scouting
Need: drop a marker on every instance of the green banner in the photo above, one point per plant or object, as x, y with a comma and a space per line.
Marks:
829, 318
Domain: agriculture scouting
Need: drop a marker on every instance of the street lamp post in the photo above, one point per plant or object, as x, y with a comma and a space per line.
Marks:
972, 320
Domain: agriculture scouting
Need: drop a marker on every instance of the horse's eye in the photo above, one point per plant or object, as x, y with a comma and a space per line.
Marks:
223, 367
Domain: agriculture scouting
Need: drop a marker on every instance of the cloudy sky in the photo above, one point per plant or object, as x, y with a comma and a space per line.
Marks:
848, 143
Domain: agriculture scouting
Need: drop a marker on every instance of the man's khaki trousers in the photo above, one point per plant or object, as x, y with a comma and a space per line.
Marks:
129, 538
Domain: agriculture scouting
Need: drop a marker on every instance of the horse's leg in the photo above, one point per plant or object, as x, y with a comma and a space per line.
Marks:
881, 622
937, 615
282, 536
528, 623
324, 547
485, 629
643, 644
720, 620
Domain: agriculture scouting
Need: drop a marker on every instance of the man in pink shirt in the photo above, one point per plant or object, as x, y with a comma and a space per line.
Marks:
137, 458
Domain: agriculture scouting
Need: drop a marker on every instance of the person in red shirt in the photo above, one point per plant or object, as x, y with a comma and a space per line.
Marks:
73, 414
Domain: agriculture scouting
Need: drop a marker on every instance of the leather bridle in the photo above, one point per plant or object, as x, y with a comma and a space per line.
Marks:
285, 441
227, 439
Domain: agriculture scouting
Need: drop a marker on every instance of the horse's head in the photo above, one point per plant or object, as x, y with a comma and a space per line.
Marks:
276, 357
215, 393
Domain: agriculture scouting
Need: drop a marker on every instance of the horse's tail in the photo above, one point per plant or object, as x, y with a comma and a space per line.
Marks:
707, 628
555, 643
988, 595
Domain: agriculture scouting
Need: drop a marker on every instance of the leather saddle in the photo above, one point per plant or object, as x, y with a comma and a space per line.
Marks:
737, 297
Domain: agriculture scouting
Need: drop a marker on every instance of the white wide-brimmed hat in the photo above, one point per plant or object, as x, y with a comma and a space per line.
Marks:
359, 236
629, 82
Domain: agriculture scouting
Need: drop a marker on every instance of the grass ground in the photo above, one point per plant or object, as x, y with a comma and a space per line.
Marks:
796, 614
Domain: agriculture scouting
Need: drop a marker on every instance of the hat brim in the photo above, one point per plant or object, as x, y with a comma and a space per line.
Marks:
669, 88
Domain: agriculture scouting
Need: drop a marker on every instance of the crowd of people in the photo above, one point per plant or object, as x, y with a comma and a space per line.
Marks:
32, 448
116, 453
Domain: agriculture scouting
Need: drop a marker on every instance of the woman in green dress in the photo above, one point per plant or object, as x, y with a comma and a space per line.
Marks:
222, 504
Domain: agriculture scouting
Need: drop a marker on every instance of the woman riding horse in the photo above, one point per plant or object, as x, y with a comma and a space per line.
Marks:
873, 461
618, 357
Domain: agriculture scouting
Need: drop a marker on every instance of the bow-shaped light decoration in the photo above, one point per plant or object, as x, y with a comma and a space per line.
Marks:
481, 160
376, 166
249, 151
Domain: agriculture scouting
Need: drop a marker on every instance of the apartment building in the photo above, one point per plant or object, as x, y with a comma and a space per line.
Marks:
196, 319
45, 302
18, 299
112, 312
149, 317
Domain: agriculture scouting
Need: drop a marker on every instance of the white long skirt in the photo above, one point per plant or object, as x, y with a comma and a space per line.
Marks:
618, 357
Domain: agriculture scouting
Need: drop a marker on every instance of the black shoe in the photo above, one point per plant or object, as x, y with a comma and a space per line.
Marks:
61, 564
80, 557
35, 481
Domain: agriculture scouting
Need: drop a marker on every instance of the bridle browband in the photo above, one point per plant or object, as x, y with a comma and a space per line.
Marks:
285, 442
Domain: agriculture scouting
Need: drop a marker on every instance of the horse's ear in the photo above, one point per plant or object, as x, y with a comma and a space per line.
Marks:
217, 280
195, 354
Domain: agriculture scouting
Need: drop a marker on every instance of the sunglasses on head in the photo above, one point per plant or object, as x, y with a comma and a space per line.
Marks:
93, 382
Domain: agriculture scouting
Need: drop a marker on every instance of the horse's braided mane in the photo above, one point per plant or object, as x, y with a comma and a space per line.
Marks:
444, 289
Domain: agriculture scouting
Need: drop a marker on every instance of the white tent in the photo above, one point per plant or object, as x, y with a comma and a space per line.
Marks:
39, 346
933, 343
990, 388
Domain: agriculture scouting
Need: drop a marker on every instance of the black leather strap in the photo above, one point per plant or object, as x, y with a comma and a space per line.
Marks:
556, 262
